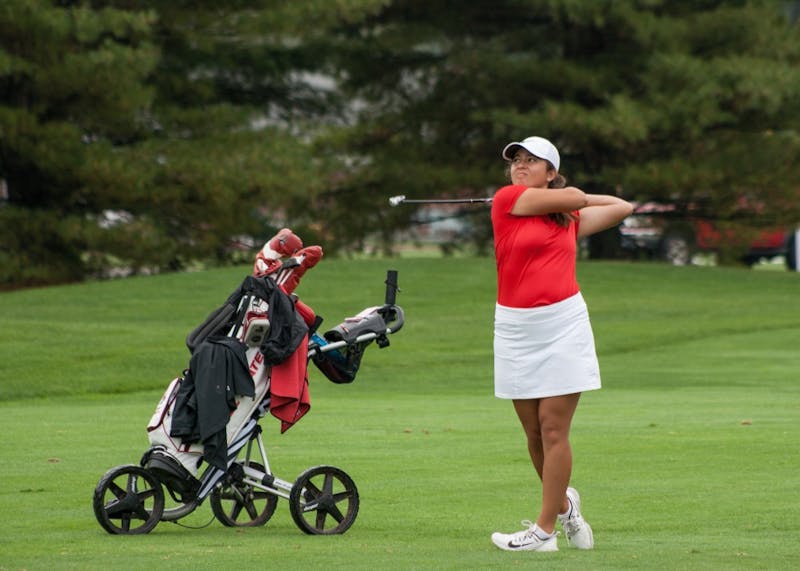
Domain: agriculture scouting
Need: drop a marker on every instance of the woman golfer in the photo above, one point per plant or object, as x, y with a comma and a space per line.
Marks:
543, 343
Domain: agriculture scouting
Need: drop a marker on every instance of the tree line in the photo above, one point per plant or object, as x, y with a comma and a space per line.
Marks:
152, 134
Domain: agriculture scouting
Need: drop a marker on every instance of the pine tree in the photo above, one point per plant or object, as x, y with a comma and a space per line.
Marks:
148, 134
71, 86
693, 102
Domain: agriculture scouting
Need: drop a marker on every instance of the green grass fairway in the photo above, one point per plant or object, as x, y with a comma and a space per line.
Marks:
687, 459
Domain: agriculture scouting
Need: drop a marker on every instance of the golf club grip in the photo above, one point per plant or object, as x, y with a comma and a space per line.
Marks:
391, 287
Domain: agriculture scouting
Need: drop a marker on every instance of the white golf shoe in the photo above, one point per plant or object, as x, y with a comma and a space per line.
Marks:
578, 532
531, 539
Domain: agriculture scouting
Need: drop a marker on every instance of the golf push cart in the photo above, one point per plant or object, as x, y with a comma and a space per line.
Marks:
252, 335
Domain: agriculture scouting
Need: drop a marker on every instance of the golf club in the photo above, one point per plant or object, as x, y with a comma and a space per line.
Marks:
401, 199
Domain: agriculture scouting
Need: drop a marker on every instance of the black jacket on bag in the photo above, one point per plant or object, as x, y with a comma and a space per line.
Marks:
218, 371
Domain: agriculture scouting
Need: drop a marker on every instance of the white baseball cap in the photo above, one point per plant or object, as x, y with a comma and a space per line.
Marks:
536, 146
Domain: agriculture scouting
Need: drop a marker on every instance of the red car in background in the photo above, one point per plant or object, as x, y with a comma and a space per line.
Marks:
674, 234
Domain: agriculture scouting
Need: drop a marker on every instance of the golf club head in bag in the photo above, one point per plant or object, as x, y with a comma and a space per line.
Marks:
341, 365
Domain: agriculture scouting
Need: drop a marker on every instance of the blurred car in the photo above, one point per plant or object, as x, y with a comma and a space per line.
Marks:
675, 234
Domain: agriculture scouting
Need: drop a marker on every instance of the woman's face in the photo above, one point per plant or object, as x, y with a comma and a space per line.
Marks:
529, 170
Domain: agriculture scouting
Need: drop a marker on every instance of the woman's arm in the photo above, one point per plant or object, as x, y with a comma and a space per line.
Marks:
602, 211
536, 201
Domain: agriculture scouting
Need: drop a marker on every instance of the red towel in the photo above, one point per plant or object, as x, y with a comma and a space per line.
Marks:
289, 388
305, 312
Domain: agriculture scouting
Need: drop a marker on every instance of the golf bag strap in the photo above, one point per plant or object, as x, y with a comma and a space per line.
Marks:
216, 320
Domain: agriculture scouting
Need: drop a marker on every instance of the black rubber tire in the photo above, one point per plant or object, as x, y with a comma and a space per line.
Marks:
322, 495
237, 501
126, 495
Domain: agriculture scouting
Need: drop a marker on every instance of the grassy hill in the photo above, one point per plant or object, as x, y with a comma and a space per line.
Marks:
127, 335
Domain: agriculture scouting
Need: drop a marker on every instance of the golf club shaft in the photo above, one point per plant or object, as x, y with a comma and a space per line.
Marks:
396, 200
448, 200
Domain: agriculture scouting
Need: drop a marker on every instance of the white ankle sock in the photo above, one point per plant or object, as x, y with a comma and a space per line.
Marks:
542, 534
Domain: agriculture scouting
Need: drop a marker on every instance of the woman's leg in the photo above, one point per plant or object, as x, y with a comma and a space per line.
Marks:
528, 413
546, 423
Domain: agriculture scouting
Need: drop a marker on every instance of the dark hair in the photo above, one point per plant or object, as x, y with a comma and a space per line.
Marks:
561, 218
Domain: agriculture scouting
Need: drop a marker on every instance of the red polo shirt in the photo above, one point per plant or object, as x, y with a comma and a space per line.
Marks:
535, 256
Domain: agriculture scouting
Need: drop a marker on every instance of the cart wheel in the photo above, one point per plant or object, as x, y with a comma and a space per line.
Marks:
239, 504
321, 493
128, 500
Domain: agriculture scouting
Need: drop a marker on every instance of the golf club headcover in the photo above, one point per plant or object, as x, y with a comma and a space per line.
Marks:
295, 267
284, 243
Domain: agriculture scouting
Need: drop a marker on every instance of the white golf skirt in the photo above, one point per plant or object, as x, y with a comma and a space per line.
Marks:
544, 351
